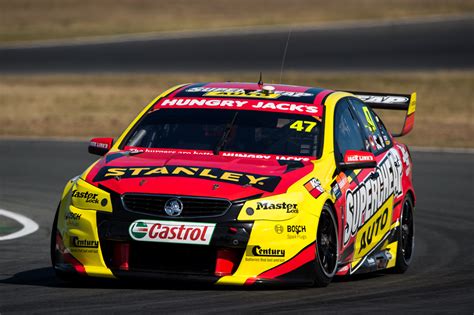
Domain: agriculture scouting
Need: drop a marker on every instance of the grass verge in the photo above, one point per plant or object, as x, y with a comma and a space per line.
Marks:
24, 20
103, 105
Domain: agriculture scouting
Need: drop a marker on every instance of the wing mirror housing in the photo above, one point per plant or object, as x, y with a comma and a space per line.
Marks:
357, 159
100, 146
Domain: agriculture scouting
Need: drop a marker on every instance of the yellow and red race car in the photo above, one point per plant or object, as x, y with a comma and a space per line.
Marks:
241, 184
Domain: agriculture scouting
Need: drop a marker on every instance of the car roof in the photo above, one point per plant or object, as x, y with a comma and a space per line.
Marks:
247, 96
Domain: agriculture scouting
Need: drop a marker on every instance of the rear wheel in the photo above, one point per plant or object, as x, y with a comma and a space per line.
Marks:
406, 237
326, 248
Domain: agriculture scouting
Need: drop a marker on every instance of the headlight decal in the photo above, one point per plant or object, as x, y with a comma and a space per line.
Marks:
87, 196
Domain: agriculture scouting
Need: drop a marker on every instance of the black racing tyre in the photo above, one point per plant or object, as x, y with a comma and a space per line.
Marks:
406, 237
327, 245
53, 238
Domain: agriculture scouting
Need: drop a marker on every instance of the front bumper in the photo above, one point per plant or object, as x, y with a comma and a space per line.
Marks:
239, 253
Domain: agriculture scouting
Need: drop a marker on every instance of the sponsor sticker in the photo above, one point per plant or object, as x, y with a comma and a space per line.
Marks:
341, 185
373, 231
336, 191
172, 232
385, 99
99, 145
86, 196
72, 218
288, 207
279, 229
239, 92
292, 231
406, 159
358, 156
297, 229
223, 153
258, 251
250, 104
366, 199
296, 232
243, 93
267, 156
313, 186
83, 243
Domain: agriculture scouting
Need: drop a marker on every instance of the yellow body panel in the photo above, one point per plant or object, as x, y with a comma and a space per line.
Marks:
412, 105
78, 228
87, 196
392, 248
276, 235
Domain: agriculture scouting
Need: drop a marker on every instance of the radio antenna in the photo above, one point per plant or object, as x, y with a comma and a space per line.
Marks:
284, 54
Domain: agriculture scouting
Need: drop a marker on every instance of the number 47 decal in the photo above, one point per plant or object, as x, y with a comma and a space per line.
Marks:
303, 125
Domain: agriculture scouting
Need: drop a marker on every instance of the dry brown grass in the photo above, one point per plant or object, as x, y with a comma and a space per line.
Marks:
103, 105
51, 19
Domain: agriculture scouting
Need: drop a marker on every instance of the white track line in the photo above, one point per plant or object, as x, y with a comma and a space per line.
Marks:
29, 226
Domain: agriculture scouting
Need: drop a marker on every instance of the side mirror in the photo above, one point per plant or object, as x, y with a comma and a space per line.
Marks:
100, 146
357, 159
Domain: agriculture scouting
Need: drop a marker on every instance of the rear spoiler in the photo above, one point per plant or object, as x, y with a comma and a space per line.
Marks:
393, 102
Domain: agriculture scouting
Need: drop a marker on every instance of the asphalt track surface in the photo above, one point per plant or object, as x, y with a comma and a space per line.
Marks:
409, 45
440, 279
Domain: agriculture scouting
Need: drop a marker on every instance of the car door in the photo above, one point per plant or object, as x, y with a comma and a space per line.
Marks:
348, 135
376, 193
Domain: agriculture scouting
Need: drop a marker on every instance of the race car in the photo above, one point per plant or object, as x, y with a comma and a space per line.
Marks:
244, 184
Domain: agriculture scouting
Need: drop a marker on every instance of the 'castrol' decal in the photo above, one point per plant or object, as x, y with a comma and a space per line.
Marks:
172, 232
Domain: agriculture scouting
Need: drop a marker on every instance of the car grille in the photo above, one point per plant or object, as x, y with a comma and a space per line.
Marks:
192, 206
172, 258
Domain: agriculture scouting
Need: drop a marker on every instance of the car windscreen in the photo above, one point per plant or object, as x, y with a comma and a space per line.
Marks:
228, 130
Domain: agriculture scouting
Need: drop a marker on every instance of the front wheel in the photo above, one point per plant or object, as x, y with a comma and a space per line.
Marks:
327, 245
406, 237
54, 230
55, 252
